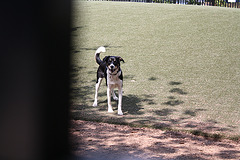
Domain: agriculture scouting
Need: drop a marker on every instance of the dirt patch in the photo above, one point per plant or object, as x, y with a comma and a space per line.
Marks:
102, 141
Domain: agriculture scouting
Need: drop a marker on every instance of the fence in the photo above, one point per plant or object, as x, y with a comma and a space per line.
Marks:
221, 3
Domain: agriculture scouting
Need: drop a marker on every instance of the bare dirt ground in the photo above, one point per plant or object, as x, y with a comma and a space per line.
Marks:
102, 141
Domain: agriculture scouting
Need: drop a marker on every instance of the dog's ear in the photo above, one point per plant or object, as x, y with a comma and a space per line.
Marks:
105, 59
120, 59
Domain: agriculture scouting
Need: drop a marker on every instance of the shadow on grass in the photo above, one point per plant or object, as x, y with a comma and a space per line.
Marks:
134, 105
76, 28
75, 73
172, 100
131, 103
165, 112
81, 93
175, 83
110, 46
152, 78
96, 47
78, 91
178, 90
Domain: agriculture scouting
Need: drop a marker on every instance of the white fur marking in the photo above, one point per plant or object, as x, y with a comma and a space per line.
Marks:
100, 49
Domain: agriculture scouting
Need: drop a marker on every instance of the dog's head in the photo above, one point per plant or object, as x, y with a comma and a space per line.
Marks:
113, 62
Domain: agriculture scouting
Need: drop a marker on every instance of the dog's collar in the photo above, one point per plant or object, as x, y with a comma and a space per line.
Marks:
113, 74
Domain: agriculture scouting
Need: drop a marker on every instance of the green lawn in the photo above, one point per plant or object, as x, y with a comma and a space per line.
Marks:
182, 67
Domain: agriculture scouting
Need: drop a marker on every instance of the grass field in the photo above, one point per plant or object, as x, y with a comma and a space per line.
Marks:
182, 67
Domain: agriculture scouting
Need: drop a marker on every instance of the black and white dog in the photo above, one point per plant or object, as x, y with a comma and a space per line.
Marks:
109, 68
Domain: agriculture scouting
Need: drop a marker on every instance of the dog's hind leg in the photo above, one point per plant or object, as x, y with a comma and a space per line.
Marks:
96, 92
114, 95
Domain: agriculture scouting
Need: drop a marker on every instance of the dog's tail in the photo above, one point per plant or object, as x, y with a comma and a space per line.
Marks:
97, 53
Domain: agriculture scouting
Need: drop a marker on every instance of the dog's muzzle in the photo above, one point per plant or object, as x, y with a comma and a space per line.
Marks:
112, 68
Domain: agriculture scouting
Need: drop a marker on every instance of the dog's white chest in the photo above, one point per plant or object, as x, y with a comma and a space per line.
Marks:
113, 79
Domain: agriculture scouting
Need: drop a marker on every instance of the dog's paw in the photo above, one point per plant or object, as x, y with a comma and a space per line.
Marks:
110, 110
115, 98
120, 113
94, 104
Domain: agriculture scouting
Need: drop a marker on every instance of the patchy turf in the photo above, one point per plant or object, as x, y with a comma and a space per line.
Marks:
182, 64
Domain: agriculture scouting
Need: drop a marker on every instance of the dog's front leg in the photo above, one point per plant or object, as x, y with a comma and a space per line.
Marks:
109, 99
120, 101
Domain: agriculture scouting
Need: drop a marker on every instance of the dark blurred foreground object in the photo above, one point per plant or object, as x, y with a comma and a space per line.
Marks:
34, 69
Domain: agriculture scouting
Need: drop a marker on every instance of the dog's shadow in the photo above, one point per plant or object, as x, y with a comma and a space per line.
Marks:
131, 105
